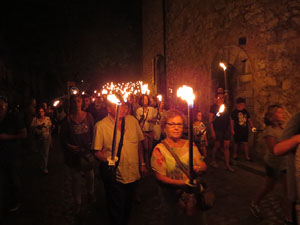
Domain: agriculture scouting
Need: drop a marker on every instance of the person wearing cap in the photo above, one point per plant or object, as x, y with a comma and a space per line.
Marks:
12, 131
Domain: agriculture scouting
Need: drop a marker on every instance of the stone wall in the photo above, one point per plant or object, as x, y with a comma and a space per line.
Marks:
200, 33
152, 37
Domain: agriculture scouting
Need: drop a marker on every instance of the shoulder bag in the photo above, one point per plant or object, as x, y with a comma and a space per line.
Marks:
204, 198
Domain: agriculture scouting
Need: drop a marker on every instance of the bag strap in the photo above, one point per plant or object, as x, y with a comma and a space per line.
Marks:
144, 120
179, 163
121, 142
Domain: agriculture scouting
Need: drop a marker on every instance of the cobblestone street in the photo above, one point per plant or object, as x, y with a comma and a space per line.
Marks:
48, 199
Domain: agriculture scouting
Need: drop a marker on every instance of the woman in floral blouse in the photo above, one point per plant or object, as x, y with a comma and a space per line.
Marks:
173, 181
41, 125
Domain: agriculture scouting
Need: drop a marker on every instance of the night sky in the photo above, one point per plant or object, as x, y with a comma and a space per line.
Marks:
44, 43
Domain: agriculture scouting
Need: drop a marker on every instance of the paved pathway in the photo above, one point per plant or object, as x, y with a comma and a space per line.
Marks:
49, 200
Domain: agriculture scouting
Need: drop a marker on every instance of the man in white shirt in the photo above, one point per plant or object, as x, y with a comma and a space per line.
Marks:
120, 191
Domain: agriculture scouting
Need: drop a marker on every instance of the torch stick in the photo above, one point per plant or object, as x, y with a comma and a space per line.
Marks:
115, 100
190, 135
113, 147
186, 93
225, 75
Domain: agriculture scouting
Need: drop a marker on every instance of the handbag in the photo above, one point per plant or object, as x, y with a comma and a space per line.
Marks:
157, 131
87, 160
202, 197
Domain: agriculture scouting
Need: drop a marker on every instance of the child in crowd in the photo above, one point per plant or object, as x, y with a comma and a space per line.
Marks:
240, 120
200, 137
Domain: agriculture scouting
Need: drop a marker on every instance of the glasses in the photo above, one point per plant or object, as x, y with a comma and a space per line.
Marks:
175, 124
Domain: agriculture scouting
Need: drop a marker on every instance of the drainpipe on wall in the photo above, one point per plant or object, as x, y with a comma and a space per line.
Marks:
164, 46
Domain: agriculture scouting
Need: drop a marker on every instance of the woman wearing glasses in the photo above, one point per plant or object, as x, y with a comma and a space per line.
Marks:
172, 179
41, 125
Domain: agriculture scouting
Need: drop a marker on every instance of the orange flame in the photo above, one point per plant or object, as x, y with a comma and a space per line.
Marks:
113, 99
186, 93
223, 66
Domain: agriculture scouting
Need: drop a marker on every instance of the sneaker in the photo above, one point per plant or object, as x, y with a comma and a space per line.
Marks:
255, 210
214, 164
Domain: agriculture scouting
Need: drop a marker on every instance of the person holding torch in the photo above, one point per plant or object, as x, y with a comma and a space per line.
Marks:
175, 184
126, 159
220, 131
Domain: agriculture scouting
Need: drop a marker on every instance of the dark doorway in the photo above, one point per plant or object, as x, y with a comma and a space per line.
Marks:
159, 75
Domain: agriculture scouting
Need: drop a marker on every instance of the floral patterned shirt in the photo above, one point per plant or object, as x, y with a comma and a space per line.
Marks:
164, 163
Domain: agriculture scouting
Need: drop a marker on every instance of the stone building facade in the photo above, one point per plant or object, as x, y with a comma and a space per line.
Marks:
259, 40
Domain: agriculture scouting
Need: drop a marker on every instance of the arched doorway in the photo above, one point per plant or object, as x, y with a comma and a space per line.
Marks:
239, 74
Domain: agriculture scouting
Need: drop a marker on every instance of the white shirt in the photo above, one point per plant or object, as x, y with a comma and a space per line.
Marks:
128, 169
151, 113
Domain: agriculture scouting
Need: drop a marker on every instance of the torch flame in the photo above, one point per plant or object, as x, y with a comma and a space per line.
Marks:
55, 103
159, 97
113, 99
221, 110
83, 93
186, 93
223, 66
125, 96
74, 92
145, 89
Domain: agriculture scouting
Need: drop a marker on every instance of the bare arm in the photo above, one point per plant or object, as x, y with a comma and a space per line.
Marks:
211, 117
141, 153
285, 146
232, 125
251, 123
21, 134
143, 168
100, 156
167, 180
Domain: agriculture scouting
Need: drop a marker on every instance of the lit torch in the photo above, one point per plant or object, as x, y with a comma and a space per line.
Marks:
144, 89
113, 159
186, 93
225, 78
159, 97
104, 92
56, 103
221, 110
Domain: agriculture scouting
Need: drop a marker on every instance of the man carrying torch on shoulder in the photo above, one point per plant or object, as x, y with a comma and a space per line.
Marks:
126, 160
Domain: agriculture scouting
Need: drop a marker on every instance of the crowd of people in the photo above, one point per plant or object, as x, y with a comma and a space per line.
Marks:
148, 134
